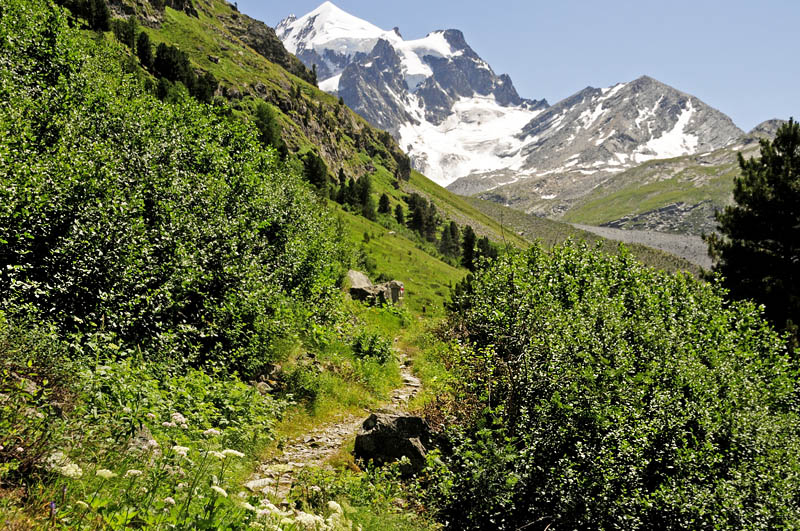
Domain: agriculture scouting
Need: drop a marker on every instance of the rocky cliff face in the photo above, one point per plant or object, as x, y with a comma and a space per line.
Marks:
583, 140
416, 89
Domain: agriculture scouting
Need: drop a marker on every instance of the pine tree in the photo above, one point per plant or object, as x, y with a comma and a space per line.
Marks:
316, 172
400, 215
486, 249
144, 50
445, 243
383, 205
269, 130
758, 252
468, 248
455, 238
99, 16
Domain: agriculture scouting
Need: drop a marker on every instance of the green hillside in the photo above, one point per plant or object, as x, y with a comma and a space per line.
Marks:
702, 181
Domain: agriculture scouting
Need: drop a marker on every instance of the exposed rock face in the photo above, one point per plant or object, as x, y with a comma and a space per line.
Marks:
766, 130
387, 438
362, 289
582, 141
370, 87
415, 89
263, 40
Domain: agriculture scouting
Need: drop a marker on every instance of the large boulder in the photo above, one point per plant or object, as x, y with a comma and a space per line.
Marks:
387, 438
362, 289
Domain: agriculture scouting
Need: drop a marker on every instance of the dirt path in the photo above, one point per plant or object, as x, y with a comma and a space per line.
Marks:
314, 449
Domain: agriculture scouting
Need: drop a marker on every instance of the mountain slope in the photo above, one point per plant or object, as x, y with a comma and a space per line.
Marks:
579, 143
442, 101
678, 195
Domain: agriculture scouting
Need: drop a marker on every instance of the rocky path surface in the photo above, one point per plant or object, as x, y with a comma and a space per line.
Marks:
692, 248
314, 449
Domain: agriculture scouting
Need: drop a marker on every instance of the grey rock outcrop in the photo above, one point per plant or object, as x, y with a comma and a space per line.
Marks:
362, 289
387, 438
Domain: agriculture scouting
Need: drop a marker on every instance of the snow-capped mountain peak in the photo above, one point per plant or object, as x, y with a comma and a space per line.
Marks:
419, 89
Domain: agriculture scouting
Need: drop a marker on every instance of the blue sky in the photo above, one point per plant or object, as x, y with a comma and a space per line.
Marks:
741, 57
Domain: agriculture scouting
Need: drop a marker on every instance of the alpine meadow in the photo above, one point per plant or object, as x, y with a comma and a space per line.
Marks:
231, 298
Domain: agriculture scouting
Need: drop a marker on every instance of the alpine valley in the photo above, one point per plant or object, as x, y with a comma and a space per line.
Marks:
467, 128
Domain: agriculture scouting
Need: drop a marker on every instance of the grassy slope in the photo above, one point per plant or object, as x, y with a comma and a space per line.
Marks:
240, 67
551, 232
690, 179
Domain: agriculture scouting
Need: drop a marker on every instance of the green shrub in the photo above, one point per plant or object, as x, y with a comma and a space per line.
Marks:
616, 396
369, 345
166, 225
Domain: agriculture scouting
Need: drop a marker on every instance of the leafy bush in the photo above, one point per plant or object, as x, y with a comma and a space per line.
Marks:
373, 346
616, 396
167, 226
36, 389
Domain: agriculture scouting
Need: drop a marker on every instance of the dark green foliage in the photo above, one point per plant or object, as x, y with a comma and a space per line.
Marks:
383, 205
168, 226
316, 172
173, 64
450, 241
612, 396
99, 15
486, 249
205, 87
363, 194
468, 248
269, 130
144, 50
371, 345
758, 254
423, 217
399, 214
126, 30
94, 12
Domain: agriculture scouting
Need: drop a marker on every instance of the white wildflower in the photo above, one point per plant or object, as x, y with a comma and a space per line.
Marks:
82, 504
71, 470
219, 490
334, 507
127, 410
169, 424
286, 522
181, 450
218, 455
248, 507
177, 418
151, 444
308, 521
169, 500
132, 473
105, 473
256, 525
211, 432
150, 416
232, 453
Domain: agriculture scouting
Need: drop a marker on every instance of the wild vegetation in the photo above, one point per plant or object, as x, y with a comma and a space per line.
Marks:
171, 311
758, 248
603, 394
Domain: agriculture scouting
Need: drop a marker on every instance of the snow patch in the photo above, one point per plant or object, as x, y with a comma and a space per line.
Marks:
474, 139
673, 143
331, 84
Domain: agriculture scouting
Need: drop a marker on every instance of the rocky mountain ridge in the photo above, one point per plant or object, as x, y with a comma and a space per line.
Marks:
580, 142
419, 90
466, 127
